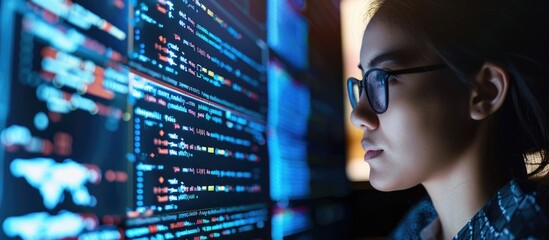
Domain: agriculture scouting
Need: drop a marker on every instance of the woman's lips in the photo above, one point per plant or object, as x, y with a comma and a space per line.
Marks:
370, 154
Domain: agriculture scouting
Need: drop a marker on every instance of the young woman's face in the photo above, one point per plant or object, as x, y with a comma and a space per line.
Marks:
426, 127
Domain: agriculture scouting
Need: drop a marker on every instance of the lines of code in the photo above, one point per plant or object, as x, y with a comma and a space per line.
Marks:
191, 153
226, 222
188, 45
132, 119
68, 87
288, 119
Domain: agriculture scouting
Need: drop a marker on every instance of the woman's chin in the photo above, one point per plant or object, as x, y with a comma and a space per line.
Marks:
388, 183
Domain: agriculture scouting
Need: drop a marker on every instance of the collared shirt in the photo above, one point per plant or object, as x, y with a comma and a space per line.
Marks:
519, 210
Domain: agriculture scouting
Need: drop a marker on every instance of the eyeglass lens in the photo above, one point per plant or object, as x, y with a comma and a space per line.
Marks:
377, 92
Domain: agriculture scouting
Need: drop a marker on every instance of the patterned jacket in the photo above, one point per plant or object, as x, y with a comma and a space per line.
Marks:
519, 210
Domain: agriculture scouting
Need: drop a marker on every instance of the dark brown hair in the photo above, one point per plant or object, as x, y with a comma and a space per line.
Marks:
511, 33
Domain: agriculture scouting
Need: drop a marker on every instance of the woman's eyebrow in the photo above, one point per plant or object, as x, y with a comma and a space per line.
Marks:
400, 56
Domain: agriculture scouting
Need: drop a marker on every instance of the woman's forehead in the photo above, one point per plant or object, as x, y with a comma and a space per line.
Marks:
384, 42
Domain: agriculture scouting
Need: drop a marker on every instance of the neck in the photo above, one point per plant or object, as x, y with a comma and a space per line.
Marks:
463, 189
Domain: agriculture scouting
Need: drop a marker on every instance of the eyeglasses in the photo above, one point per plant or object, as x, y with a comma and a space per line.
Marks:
376, 86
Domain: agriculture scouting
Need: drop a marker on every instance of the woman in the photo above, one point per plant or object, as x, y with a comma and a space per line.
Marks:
467, 84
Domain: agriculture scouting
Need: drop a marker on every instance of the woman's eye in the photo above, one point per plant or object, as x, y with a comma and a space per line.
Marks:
380, 82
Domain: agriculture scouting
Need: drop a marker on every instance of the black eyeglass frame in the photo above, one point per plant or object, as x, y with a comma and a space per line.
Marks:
351, 81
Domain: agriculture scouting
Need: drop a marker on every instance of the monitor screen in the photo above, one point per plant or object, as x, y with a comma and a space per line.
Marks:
132, 119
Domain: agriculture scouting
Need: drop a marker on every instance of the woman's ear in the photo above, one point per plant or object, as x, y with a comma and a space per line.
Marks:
490, 87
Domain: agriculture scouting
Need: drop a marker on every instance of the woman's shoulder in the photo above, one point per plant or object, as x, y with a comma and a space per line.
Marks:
416, 219
520, 209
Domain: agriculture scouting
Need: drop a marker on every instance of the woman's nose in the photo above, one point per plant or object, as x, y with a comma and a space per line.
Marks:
363, 116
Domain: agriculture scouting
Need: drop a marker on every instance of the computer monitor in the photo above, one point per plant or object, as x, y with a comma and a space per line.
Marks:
132, 119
